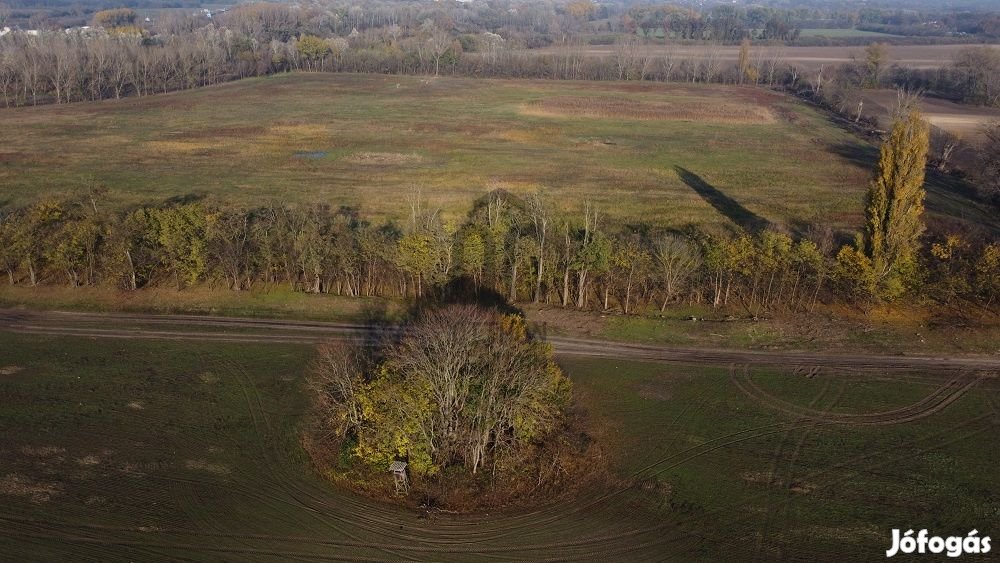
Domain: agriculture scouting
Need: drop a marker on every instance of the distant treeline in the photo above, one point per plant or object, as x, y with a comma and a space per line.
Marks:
543, 22
64, 67
520, 247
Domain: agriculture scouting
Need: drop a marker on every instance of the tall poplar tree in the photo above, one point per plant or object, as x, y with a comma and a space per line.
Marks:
895, 201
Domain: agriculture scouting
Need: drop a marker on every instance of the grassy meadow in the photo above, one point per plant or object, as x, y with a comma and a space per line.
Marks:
137, 450
666, 155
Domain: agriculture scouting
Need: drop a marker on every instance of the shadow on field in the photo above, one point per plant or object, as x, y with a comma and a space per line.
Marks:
184, 199
861, 155
722, 203
948, 196
464, 291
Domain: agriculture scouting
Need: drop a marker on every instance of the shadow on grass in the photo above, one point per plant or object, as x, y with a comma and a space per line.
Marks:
464, 291
953, 199
862, 155
732, 209
184, 199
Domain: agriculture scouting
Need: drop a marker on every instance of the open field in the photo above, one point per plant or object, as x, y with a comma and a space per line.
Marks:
138, 449
807, 58
370, 141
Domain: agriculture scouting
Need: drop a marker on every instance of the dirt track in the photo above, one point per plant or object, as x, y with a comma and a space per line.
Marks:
234, 329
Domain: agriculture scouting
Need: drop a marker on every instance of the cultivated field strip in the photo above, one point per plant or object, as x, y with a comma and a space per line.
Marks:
236, 329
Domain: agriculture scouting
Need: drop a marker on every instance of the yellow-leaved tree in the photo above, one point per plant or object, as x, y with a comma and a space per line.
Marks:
895, 202
462, 385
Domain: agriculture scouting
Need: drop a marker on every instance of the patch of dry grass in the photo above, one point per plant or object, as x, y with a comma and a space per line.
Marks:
42, 451
202, 465
21, 486
383, 158
601, 107
89, 460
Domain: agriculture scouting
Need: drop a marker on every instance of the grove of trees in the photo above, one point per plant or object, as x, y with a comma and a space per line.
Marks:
460, 386
523, 248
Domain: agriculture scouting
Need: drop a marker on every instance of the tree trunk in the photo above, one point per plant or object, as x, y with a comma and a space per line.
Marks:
541, 264
628, 292
565, 291
131, 270
581, 290
513, 281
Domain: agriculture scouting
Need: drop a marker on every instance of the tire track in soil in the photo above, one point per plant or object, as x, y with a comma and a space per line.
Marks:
290, 331
930, 411
741, 436
782, 516
842, 477
906, 417
937, 400
775, 463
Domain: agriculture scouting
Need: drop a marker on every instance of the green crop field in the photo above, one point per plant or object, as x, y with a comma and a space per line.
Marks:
666, 155
139, 450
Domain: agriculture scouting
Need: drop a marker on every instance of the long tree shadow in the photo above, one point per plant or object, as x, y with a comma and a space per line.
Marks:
722, 203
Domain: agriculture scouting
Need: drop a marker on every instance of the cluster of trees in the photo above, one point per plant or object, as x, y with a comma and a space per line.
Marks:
462, 385
522, 248
972, 78
721, 22
66, 67
727, 22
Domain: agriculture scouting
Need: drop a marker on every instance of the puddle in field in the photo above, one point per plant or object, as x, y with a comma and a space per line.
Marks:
313, 155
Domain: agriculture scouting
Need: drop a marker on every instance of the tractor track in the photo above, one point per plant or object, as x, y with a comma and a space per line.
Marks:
224, 329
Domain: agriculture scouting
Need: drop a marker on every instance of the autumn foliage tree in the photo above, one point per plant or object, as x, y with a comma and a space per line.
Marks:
895, 202
463, 386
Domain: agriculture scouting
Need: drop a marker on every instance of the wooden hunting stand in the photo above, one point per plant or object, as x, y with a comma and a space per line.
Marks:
398, 470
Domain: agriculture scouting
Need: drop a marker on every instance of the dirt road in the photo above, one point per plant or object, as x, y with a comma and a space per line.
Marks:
235, 329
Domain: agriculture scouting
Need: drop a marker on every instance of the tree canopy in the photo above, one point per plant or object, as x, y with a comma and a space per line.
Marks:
462, 386
895, 201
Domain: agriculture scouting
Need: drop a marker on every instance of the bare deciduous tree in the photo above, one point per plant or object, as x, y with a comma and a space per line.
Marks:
678, 260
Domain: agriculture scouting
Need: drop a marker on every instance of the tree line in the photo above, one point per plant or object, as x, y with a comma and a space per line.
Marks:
523, 248
119, 57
